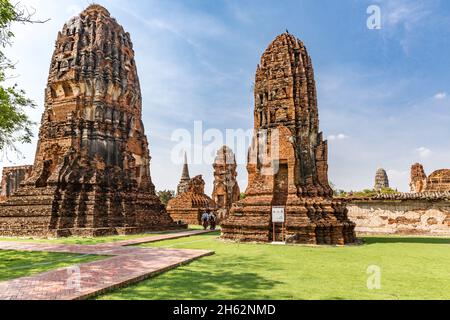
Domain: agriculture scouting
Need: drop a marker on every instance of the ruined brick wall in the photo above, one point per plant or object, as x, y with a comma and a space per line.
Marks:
425, 214
12, 177
92, 169
439, 181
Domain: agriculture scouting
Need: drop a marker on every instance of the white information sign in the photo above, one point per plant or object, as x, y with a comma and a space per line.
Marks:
278, 215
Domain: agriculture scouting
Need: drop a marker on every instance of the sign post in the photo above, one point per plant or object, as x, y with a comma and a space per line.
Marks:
278, 216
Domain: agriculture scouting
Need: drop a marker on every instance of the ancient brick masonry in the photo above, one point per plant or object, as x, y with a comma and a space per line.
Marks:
418, 178
425, 213
189, 206
12, 177
438, 181
381, 180
91, 174
226, 188
288, 163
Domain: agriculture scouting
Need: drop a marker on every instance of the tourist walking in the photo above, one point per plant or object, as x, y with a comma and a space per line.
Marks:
212, 220
205, 220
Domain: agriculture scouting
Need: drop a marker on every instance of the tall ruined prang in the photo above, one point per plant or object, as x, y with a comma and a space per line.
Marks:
288, 160
91, 174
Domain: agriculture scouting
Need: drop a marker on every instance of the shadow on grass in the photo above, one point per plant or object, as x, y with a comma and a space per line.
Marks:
412, 240
204, 280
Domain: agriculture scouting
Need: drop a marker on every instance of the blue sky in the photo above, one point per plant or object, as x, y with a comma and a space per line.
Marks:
384, 95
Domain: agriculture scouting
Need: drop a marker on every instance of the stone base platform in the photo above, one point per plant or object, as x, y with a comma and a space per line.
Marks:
323, 222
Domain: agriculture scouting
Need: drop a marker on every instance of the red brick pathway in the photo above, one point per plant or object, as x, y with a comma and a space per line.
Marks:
126, 266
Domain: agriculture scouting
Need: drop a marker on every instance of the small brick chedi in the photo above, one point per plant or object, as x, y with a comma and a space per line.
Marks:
438, 181
91, 174
189, 206
226, 188
288, 163
381, 180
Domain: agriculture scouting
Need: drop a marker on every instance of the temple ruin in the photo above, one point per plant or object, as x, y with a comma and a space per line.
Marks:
438, 181
189, 206
418, 178
288, 165
91, 175
183, 186
381, 180
226, 188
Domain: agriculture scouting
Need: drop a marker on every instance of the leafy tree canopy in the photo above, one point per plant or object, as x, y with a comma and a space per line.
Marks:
15, 125
166, 195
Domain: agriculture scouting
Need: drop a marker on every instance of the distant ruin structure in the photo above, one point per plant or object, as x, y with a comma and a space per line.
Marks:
438, 181
381, 180
189, 206
183, 186
226, 188
418, 178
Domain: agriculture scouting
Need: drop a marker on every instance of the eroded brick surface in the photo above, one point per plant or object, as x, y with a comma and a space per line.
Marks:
438, 181
288, 161
91, 175
189, 206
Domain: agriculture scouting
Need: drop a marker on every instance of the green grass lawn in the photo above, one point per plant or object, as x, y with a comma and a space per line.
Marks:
411, 268
16, 264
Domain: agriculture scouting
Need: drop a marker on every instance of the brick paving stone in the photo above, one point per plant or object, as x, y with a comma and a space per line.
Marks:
127, 265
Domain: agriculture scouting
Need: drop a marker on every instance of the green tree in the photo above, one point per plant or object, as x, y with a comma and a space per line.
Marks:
166, 195
15, 125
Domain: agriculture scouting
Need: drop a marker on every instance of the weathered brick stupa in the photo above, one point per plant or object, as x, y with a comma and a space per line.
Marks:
418, 178
226, 188
381, 180
91, 174
189, 206
290, 167
438, 181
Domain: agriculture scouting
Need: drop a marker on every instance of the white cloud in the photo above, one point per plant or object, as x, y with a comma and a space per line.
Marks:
423, 152
340, 136
406, 14
402, 20
440, 95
